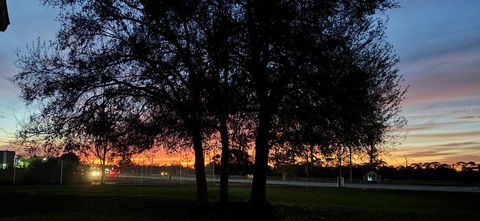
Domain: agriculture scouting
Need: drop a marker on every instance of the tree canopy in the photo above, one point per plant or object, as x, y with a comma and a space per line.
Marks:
144, 73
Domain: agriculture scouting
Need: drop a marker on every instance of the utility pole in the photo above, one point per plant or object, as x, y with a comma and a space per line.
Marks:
141, 173
406, 166
61, 172
14, 173
181, 177
213, 172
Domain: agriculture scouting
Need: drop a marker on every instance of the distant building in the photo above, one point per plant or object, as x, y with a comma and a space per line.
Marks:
7, 159
372, 177
4, 21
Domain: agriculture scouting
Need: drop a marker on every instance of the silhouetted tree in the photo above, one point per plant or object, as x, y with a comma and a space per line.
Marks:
302, 50
153, 51
224, 88
197, 66
101, 128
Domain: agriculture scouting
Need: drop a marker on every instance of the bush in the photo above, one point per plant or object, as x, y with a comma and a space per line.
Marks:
48, 171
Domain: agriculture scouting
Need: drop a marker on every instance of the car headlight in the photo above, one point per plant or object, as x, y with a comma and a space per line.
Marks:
95, 173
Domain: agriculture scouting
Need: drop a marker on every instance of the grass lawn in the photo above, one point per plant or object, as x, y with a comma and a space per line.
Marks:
177, 202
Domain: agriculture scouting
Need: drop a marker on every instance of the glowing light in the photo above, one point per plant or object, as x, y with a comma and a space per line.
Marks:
95, 173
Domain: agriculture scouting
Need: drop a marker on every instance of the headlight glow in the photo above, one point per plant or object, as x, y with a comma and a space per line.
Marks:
95, 173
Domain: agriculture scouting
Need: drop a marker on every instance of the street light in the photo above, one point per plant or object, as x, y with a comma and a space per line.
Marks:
4, 21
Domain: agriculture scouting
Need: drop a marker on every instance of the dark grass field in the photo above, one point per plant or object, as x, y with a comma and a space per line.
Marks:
177, 202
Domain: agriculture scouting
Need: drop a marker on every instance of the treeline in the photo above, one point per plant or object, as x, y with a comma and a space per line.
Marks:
466, 172
447, 173
66, 169
289, 77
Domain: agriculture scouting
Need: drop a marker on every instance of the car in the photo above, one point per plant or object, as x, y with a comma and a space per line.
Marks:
113, 173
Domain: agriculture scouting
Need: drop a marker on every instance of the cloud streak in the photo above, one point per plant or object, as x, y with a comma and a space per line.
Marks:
447, 153
439, 48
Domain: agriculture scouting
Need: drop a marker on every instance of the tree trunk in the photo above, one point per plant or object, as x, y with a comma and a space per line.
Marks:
224, 161
371, 157
102, 166
257, 46
340, 173
350, 165
201, 180
258, 194
311, 161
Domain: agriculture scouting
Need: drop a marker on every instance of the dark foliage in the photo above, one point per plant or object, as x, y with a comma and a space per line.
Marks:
442, 174
137, 73
47, 171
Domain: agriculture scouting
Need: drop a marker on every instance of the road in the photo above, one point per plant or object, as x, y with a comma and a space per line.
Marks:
471, 189
382, 186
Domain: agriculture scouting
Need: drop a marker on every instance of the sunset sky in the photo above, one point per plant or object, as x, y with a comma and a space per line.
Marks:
438, 42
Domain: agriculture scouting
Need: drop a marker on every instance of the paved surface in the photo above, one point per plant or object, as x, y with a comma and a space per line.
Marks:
472, 189
385, 186
373, 186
